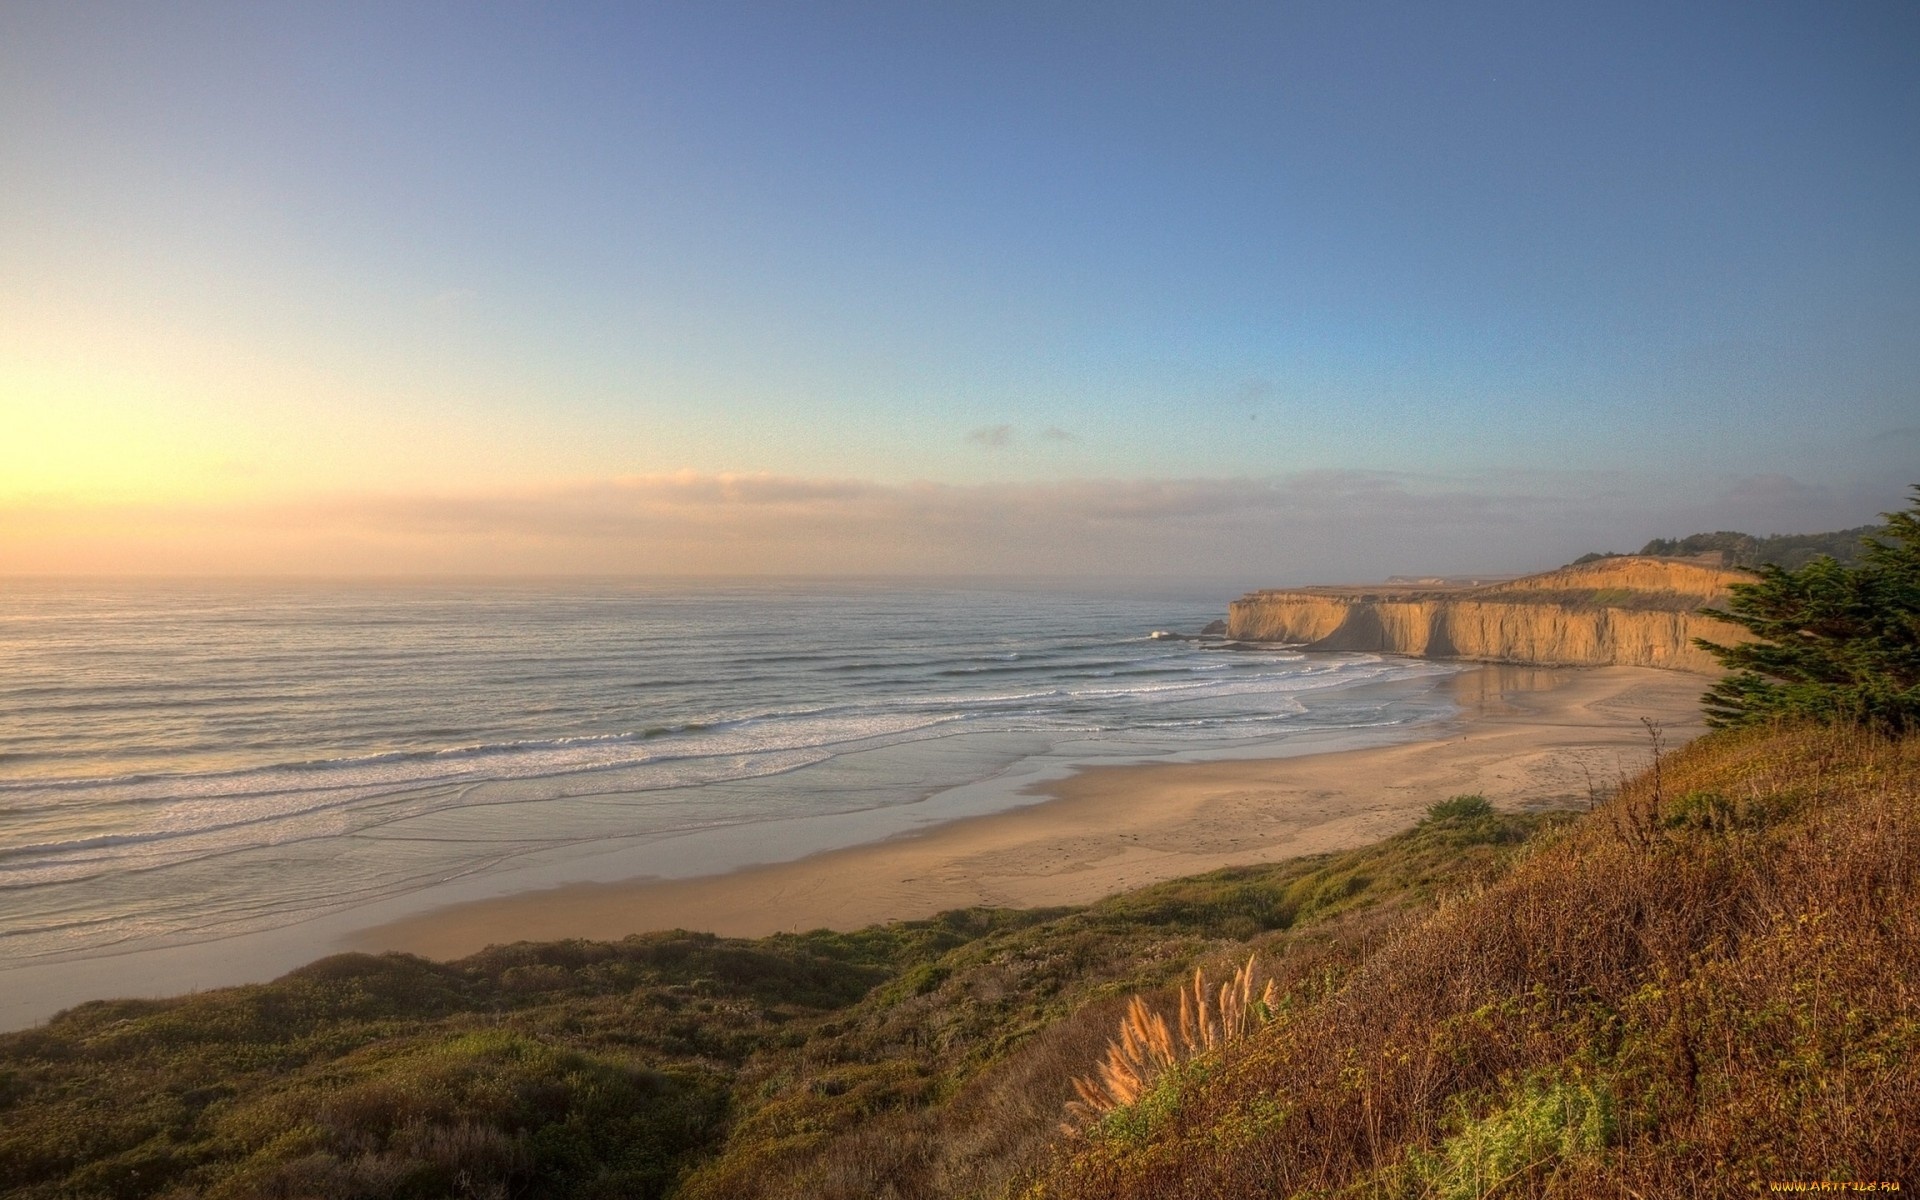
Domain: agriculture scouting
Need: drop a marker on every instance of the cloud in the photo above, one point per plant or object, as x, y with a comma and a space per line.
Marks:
1053, 433
993, 437
1301, 527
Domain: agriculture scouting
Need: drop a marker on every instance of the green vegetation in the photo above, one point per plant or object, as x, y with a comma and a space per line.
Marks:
1834, 643
1789, 550
1546, 1120
1459, 808
563, 1069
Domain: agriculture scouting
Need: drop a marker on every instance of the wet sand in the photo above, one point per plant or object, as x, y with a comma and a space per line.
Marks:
1529, 737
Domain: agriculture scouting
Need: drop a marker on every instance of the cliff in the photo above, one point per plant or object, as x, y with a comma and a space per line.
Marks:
1629, 611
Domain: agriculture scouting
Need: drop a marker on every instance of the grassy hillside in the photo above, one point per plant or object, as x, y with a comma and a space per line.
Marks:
1707, 985
1705, 982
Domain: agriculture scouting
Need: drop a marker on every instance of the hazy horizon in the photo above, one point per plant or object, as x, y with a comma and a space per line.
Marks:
1277, 538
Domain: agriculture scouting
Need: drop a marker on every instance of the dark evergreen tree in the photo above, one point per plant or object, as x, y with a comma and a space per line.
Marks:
1835, 643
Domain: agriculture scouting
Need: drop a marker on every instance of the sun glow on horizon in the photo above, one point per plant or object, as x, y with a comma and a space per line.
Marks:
106, 413
92, 437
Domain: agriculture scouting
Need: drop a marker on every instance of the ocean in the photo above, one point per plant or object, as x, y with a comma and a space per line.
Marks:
185, 761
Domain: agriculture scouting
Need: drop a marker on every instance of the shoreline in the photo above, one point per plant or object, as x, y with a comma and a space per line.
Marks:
1526, 737
1523, 736
935, 782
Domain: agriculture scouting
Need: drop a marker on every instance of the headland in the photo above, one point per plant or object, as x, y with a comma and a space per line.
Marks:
1632, 611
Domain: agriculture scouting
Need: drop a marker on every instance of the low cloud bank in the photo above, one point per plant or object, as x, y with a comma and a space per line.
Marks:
1300, 527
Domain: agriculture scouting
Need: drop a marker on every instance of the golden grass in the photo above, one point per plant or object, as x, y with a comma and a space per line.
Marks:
1146, 1048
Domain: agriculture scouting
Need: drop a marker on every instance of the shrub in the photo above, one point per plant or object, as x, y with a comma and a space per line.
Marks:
1547, 1123
1459, 808
1834, 644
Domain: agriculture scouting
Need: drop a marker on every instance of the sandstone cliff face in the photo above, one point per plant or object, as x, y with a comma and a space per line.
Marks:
1620, 612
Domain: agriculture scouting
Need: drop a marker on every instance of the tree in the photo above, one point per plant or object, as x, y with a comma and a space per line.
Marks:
1834, 643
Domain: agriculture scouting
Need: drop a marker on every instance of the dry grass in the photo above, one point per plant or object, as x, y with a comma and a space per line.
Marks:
1709, 983
1146, 1048
983, 1049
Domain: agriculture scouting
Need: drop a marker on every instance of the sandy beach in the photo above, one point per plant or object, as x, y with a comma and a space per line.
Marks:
1528, 737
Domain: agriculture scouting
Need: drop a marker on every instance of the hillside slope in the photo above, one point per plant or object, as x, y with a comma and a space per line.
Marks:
1640, 612
1703, 988
918, 1059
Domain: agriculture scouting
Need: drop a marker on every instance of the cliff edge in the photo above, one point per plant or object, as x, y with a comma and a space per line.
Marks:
1625, 611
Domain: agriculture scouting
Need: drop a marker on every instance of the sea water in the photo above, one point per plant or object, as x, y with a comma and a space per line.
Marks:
182, 761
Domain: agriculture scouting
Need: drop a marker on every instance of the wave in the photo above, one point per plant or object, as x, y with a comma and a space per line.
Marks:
419, 747
747, 731
1127, 678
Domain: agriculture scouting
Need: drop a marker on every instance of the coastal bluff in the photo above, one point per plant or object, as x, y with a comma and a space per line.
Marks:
1623, 611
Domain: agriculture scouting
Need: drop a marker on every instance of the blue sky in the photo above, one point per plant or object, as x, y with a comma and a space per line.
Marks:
1576, 275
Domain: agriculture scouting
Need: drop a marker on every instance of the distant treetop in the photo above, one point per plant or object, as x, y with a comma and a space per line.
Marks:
1789, 550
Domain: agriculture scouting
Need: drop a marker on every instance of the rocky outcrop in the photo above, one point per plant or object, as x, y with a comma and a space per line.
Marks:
1641, 612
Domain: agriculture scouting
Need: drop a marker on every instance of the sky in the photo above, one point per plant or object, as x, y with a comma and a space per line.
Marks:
1280, 292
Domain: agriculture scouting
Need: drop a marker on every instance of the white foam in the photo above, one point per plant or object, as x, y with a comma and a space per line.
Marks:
76, 850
